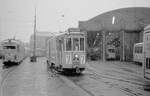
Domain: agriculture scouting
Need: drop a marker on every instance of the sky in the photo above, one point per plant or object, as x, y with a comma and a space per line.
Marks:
17, 16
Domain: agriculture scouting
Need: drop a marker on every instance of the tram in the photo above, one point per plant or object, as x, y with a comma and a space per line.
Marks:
110, 52
138, 53
146, 50
66, 52
13, 52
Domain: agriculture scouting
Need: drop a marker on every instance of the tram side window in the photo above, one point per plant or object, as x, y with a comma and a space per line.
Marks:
18, 49
141, 49
75, 44
81, 44
147, 63
138, 49
148, 37
59, 46
68, 44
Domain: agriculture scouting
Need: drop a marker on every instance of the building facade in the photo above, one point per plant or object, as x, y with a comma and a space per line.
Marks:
40, 43
123, 34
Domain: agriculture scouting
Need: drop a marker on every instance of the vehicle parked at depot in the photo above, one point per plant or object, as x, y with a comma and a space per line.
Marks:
67, 51
110, 52
146, 51
138, 55
13, 51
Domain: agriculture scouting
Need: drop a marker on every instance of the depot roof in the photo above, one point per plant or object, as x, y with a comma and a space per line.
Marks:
132, 18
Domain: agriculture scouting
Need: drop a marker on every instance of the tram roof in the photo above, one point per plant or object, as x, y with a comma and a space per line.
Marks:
11, 41
141, 43
68, 33
147, 27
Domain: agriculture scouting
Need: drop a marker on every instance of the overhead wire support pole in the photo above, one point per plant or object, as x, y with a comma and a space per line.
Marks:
33, 58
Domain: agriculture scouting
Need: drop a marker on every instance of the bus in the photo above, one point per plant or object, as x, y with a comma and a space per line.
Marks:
146, 43
66, 52
138, 53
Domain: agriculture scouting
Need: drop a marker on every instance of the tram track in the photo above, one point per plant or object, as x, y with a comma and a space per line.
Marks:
67, 79
84, 89
122, 79
124, 90
98, 76
81, 87
6, 73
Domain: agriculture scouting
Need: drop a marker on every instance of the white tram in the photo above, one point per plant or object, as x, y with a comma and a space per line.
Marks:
66, 51
13, 51
111, 52
138, 53
146, 44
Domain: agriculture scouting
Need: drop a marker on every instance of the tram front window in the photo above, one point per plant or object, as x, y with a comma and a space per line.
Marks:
75, 44
81, 44
111, 50
68, 44
9, 47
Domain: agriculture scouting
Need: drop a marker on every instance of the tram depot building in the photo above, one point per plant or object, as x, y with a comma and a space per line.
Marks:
123, 32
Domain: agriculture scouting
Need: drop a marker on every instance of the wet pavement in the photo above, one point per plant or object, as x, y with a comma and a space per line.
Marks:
124, 76
99, 79
32, 79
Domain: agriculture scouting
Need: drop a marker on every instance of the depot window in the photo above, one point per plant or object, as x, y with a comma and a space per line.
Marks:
138, 49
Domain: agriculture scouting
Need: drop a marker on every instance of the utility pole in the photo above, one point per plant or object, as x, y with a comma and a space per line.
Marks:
33, 58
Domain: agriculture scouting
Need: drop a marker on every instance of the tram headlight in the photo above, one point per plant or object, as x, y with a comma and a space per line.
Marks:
76, 57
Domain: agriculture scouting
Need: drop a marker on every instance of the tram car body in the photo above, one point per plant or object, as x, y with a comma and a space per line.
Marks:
66, 51
110, 52
146, 51
13, 52
138, 55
